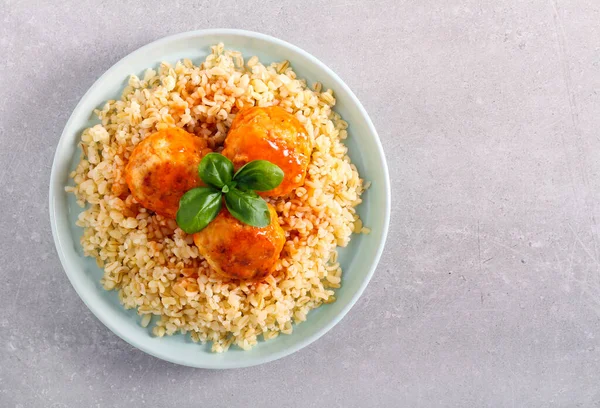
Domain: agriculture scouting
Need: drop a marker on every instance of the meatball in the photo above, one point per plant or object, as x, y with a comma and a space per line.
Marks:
239, 251
163, 167
271, 134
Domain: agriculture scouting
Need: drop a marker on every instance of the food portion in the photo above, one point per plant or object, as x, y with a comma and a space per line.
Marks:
273, 134
239, 251
227, 253
163, 167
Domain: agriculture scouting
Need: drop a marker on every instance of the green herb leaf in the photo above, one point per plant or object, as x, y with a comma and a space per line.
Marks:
197, 208
215, 170
259, 175
248, 207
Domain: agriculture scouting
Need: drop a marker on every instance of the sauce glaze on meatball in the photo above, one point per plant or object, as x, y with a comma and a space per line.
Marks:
163, 167
239, 251
273, 134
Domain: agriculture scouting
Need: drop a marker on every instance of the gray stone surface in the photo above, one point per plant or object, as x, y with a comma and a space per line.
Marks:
488, 294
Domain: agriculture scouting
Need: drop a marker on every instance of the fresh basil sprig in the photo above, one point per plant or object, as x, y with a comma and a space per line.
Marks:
215, 170
248, 207
199, 206
259, 175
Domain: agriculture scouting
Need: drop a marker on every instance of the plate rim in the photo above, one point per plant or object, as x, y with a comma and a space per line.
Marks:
54, 188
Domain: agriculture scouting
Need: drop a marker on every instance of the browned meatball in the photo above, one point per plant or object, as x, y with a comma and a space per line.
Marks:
271, 134
240, 251
163, 167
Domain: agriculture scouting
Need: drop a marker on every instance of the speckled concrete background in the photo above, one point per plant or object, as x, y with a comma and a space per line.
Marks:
488, 294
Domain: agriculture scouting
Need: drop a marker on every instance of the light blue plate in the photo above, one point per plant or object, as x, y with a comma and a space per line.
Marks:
358, 260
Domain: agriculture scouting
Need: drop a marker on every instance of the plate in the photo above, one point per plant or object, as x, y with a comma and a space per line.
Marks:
358, 260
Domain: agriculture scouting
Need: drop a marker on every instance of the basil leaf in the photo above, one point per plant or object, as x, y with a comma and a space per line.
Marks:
215, 170
197, 208
249, 208
259, 175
